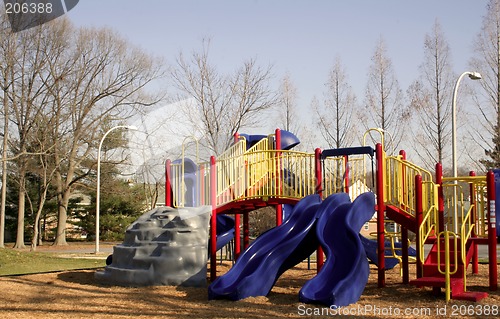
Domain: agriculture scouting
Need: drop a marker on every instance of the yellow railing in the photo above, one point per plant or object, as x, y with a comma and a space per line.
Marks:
177, 172
338, 174
481, 208
259, 172
447, 271
333, 176
262, 145
451, 262
297, 176
230, 170
465, 234
400, 184
276, 173
430, 220
258, 165
400, 191
475, 197
204, 183
463, 222
396, 252
359, 181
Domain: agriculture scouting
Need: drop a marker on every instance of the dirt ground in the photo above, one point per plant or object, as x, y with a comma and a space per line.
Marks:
76, 294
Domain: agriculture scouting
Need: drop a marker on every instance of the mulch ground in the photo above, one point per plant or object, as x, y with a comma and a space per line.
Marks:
77, 294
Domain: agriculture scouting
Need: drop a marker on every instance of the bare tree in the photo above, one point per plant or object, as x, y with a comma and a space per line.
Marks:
384, 101
6, 67
43, 166
22, 89
287, 106
334, 118
430, 98
101, 77
486, 60
225, 103
26, 94
59, 85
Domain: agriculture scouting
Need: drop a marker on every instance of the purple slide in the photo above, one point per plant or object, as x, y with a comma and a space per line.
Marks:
273, 252
344, 275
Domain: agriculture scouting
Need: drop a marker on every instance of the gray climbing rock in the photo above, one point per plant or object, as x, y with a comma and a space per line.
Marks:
165, 246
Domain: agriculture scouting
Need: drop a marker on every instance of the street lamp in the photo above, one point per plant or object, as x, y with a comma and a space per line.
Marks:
98, 193
472, 76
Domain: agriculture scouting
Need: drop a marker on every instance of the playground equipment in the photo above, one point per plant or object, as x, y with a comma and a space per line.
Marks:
393, 251
262, 172
343, 277
345, 274
271, 254
415, 202
258, 171
165, 246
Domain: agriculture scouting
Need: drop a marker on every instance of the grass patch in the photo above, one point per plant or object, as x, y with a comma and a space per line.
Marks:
13, 262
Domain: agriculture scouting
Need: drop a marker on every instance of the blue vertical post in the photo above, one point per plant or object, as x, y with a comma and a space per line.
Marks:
496, 172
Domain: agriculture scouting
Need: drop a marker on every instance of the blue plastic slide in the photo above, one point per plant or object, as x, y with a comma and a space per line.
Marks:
288, 140
225, 231
275, 251
344, 275
260, 265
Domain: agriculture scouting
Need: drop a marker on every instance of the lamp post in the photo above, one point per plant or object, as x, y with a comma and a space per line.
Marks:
472, 76
98, 192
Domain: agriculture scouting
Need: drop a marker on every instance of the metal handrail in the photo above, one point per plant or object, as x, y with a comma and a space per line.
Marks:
400, 195
480, 200
447, 272
428, 227
465, 234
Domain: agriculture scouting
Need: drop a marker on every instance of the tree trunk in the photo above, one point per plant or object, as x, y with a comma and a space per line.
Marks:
36, 229
20, 212
62, 207
4, 172
37, 237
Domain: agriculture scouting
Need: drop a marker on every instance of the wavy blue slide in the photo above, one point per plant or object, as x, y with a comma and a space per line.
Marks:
275, 251
258, 267
344, 275
225, 231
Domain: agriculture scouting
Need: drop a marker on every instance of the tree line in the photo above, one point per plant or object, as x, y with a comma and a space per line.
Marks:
420, 117
60, 86
63, 87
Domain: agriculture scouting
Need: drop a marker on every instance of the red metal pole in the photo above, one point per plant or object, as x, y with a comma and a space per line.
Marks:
419, 218
319, 190
168, 185
404, 255
439, 181
213, 219
492, 234
279, 207
473, 202
380, 215
237, 238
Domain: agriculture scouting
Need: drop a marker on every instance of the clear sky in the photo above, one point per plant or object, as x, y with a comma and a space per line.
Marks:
295, 36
